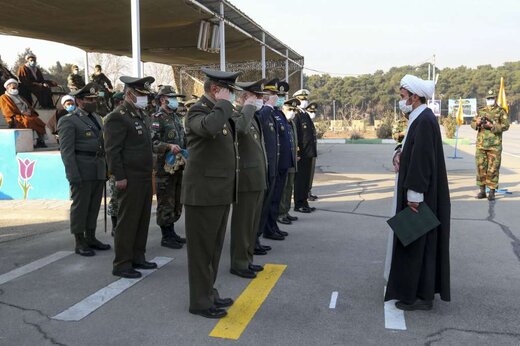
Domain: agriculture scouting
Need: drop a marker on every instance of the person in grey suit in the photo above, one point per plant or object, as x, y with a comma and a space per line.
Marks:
81, 146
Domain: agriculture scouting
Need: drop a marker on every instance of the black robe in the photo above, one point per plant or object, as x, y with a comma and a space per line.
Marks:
423, 268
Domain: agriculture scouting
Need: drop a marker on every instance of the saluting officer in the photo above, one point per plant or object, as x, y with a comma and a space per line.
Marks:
128, 146
251, 186
290, 107
168, 137
210, 186
285, 160
81, 148
307, 150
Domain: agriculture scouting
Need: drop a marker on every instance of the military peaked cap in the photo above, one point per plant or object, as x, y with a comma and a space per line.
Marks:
141, 85
272, 85
89, 90
254, 87
292, 103
226, 79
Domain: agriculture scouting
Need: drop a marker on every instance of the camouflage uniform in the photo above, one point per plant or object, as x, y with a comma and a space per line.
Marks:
167, 129
399, 129
113, 207
75, 82
489, 144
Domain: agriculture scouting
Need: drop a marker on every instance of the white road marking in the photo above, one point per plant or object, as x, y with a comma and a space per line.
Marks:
104, 295
333, 299
394, 318
28, 268
510, 154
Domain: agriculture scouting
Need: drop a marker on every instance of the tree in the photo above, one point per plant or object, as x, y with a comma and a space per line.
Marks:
113, 66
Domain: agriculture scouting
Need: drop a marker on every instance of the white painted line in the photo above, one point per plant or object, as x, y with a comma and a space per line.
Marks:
104, 295
28, 268
510, 154
394, 318
333, 299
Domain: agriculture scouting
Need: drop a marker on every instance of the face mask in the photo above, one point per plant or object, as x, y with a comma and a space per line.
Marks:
259, 104
173, 103
13, 91
280, 101
232, 98
404, 107
70, 108
312, 115
490, 102
289, 115
90, 107
141, 102
75, 71
304, 103
32, 63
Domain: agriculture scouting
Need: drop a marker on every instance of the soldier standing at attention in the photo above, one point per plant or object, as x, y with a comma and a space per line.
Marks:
210, 186
307, 150
74, 79
311, 110
251, 186
489, 122
168, 137
81, 148
129, 155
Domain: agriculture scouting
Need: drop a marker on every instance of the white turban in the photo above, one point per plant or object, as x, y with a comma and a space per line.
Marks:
10, 81
66, 98
418, 86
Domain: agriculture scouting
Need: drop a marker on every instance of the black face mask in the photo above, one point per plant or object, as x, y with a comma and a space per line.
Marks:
89, 107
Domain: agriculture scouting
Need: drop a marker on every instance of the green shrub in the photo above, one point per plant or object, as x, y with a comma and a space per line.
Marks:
321, 126
356, 134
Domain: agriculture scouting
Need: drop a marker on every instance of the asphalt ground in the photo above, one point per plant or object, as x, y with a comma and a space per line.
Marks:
339, 248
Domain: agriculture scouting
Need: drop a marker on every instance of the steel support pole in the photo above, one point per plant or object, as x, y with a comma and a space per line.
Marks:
86, 68
263, 55
287, 65
136, 39
222, 28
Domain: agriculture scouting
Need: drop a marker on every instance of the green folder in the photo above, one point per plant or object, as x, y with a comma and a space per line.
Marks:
408, 225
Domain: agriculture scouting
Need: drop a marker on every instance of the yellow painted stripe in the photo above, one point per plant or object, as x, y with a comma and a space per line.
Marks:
246, 306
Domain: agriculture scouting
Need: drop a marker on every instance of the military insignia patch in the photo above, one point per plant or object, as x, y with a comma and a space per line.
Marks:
92, 90
88, 133
224, 132
171, 134
156, 126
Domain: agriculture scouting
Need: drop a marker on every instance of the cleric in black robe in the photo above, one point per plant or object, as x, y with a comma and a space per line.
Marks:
421, 269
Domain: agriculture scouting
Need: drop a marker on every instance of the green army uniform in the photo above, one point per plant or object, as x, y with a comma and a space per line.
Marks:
167, 129
208, 189
489, 145
113, 206
128, 146
285, 202
81, 148
75, 82
252, 183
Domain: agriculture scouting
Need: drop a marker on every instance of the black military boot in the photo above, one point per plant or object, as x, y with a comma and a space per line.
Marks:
114, 225
177, 237
168, 240
491, 195
82, 248
482, 193
93, 243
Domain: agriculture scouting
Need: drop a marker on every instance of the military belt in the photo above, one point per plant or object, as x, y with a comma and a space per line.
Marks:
86, 153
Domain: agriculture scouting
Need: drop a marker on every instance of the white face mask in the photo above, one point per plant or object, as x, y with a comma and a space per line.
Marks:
404, 107
75, 72
490, 102
312, 115
12, 91
304, 103
289, 115
141, 102
259, 104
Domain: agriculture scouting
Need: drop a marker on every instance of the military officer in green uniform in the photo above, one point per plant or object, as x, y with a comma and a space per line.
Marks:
290, 108
489, 122
128, 146
81, 147
210, 186
168, 137
252, 183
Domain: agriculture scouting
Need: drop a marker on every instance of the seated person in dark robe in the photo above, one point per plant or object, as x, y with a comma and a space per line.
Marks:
31, 78
19, 114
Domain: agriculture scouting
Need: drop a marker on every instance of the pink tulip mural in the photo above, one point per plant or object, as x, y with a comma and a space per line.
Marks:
25, 170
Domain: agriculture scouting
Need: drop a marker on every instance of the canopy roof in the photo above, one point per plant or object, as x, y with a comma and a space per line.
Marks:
169, 28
